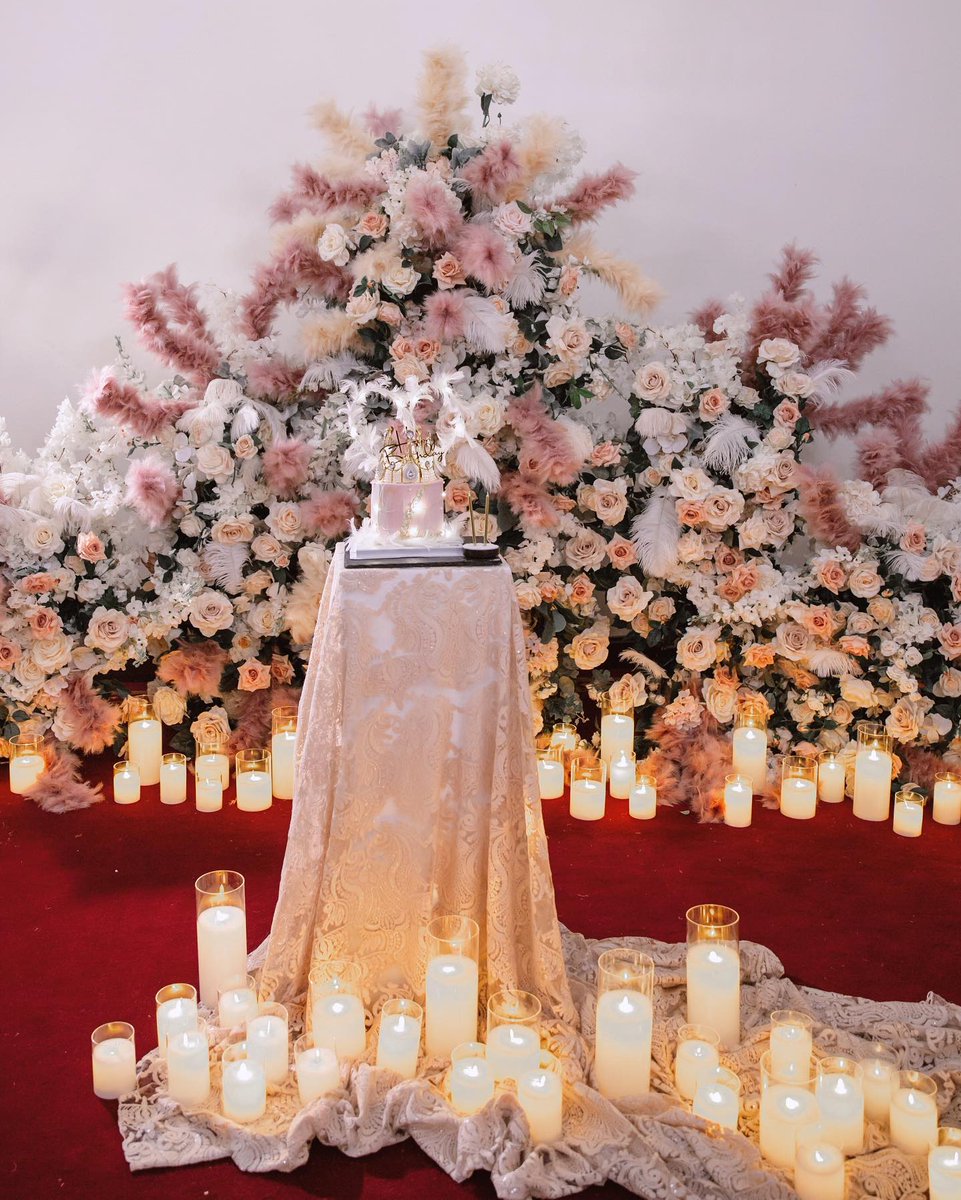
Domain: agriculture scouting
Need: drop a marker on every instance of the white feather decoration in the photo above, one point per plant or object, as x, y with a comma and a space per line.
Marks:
526, 284
655, 670
363, 454
246, 420
74, 513
826, 662
225, 565
469, 459
726, 446
329, 373
828, 376
655, 533
488, 330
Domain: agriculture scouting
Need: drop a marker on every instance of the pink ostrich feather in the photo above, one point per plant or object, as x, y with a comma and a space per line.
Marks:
434, 209
170, 324
823, 510
704, 318
381, 121
320, 195
493, 172
152, 490
690, 765
879, 453
287, 466
279, 280
445, 316
328, 514
923, 766
106, 396
252, 721
60, 788
277, 378
194, 669
91, 720
588, 198
483, 254
529, 500
542, 439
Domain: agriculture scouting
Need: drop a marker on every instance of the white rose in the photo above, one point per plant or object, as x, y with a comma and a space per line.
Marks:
627, 599
333, 245
231, 530
652, 382
210, 612
108, 630
795, 383
486, 416
42, 538
511, 220
284, 522
262, 619
191, 526
779, 438
498, 81
363, 308
53, 653
169, 705
859, 693
779, 354
214, 461
400, 280
29, 673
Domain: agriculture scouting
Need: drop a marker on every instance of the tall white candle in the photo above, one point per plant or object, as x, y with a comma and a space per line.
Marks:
512, 1050
879, 1080
738, 801
622, 773
173, 782
114, 1068
830, 780
176, 1015
749, 756
209, 795
188, 1067
550, 778
908, 817
841, 1101
126, 783
947, 800
914, 1121
714, 989
244, 1089
268, 1041
398, 1044
337, 1021
617, 734
221, 948
237, 1005
818, 1170
209, 766
588, 799
785, 1110
695, 1061
253, 791
791, 1048
715, 1101
872, 784
541, 1096
451, 1010
470, 1080
282, 747
317, 1072
622, 1051
944, 1167
799, 798
145, 748
25, 770
642, 805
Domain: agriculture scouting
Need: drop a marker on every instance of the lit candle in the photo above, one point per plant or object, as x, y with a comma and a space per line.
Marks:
642, 805
831, 774
283, 743
318, 1072
398, 1044
623, 1024
188, 1066
238, 1001
818, 1169
145, 741
623, 769
908, 812
564, 736
786, 1109
452, 984
126, 783
914, 1113
714, 971
252, 777
213, 761
799, 789
221, 931
26, 761
879, 1080
944, 1165
209, 794
550, 773
268, 1041
738, 801
338, 1022
947, 799
872, 773
173, 779
696, 1059
541, 1096
588, 790
791, 1043
176, 1011
840, 1097
617, 729
718, 1098
749, 742
243, 1085
114, 1060
470, 1080
512, 1050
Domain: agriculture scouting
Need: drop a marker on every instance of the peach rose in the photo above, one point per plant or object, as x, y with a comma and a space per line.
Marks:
792, 641
950, 639
528, 594
621, 552
169, 705
44, 623
214, 461
722, 509
609, 500
90, 548
881, 609
266, 547
720, 698
448, 272
390, 314
853, 644
712, 404
257, 582
245, 447
212, 725
372, 225
949, 684
458, 495
570, 277
758, 656
605, 454
697, 649
52, 654
580, 591
38, 583
230, 531
263, 620
253, 676
210, 612
652, 382
915, 539
556, 374
628, 598
585, 551
904, 720
746, 576
859, 693
626, 335
861, 623
107, 630
426, 350
864, 580
787, 413
590, 648
661, 609
281, 669
818, 621
9, 654
364, 307
551, 589
690, 512
830, 574
726, 558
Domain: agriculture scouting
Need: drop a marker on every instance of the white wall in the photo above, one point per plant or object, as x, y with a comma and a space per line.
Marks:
135, 134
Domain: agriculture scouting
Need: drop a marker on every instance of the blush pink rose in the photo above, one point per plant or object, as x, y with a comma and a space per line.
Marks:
712, 404
253, 676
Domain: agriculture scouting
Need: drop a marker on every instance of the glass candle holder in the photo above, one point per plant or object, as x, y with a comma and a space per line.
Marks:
879, 1079
398, 1043
26, 761
714, 970
944, 1165
252, 777
317, 1069
818, 1167
513, 1033
173, 779
337, 1015
550, 772
237, 1001
126, 782
540, 1093
221, 931
283, 744
873, 766
564, 736
799, 787
188, 1065
788, 1108
792, 1043
588, 790
617, 727
914, 1113
622, 774
144, 739
696, 1059
908, 812
213, 760
176, 1006
453, 943
749, 742
840, 1097
642, 802
946, 800
208, 793
623, 1023
470, 1080
831, 777
718, 1098
268, 1039
738, 800
243, 1084
114, 1060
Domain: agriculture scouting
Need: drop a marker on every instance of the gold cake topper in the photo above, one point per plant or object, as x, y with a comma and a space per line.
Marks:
411, 459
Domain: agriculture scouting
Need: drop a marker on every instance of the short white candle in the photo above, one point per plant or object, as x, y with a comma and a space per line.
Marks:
209, 795
914, 1121
173, 782
471, 1083
715, 1101
642, 805
282, 746
831, 780
785, 1111
221, 948
944, 1171
588, 799
840, 1098
237, 1005
126, 784
799, 798
738, 802
317, 1073
714, 989
25, 770
908, 818
872, 784
818, 1170
254, 792
213, 766
550, 778
451, 1009
114, 1068
564, 736
749, 756
880, 1080
622, 774
617, 734
541, 1096
791, 1049
175, 1016
398, 1044
695, 1061
512, 1050
622, 1050
244, 1088
337, 1021
188, 1067
268, 1041
947, 802
145, 748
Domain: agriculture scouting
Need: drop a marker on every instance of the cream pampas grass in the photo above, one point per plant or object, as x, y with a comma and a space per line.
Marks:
639, 293
441, 98
329, 332
342, 132
303, 231
538, 153
303, 601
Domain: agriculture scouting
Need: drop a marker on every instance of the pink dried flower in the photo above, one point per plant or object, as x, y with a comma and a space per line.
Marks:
483, 254
822, 508
106, 396
434, 209
278, 281
156, 306
60, 788
493, 172
446, 315
795, 270
382, 121
704, 318
194, 669
543, 440
89, 721
320, 195
593, 193
276, 377
286, 466
152, 490
252, 725
328, 514
531, 502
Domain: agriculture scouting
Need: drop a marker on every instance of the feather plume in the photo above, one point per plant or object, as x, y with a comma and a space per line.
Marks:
538, 152
487, 330
903, 562
727, 445
593, 193
823, 509
826, 662
246, 420
342, 132
60, 788
224, 565
828, 377
300, 613
655, 533
329, 332
655, 670
469, 459
74, 514
526, 284
638, 293
441, 96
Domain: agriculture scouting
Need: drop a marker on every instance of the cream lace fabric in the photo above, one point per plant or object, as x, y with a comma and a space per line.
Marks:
417, 796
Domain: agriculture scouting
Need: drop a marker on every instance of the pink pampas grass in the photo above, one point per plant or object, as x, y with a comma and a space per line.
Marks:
543, 440
850, 330
793, 273
252, 720
821, 507
87, 720
60, 789
277, 282
529, 500
152, 490
381, 121
286, 466
319, 195
593, 193
194, 669
941, 462
446, 316
493, 173
434, 209
704, 318
483, 254
106, 396
879, 454
328, 514
170, 324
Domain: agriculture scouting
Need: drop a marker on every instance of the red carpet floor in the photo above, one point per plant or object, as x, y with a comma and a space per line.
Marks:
100, 913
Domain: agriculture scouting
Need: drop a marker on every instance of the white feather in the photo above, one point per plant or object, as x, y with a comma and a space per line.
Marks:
330, 373
488, 331
827, 377
469, 459
655, 533
526, 284
225, 565
825, 662
363, 454
726, 446
911, 566
646, 664
246, 420
74, 513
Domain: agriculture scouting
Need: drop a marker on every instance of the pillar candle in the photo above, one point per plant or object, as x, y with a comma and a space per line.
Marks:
914, 1121
188, 1067
253, 791
398, 1044
872, 784
145, 748
173, 782
714, 989
880, 1079
126, 783
696, 1060
622, 773
209, 795
785, 1111
947, 801
175, 1016
512, 1050
268, 1041
550, 778
715, 1101
799, 798
317, 1072
830, 780
337, 1021
213, 765
564, 736
471, 1081
237, 1006
908, 817
642, 805
791, 1049
221, 948
114, 1068
818, 1170
749, 756
617, 734
622, 1051
588, 799
944, 1168
541, 1096
25, 770
244, 1089
282, 747
841, 1100
451, 1016
738, 801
